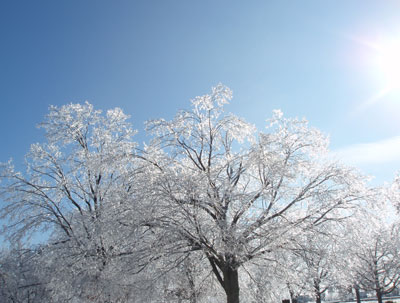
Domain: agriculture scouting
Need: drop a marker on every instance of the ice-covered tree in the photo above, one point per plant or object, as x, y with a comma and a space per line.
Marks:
79, 187
373, 250
208, 184
20, 277
237, 194
316, 253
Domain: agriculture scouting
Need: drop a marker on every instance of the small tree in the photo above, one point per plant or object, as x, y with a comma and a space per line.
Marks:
374, 262
316, 253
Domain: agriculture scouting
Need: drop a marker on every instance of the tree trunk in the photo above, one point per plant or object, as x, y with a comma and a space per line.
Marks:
379, 295
357, 291
292, 297
378, 288
231, 285
317, 292
229, 279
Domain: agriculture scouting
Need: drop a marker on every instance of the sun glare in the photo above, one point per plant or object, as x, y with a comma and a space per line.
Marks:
388, 63
381, 55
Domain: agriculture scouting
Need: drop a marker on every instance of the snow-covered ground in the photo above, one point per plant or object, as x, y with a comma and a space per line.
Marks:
395, 299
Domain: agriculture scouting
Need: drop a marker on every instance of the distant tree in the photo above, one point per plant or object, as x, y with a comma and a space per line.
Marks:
19, 277
190, 281
236, 194
317, 253
259, 282
288, 273
393, 192
373, 254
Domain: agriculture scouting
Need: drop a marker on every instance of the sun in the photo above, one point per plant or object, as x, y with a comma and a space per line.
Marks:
381, 57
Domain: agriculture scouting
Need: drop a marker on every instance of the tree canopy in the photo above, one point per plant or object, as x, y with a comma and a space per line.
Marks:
208, 196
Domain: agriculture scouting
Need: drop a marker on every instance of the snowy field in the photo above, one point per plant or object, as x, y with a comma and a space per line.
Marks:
395, 299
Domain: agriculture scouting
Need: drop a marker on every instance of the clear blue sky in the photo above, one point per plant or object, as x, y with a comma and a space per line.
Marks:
316, 59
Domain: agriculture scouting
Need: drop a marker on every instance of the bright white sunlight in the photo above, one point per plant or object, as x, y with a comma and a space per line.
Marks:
388, 62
